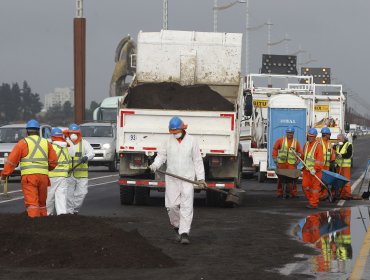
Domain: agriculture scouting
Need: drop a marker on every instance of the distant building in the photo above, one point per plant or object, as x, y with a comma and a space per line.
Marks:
59, 96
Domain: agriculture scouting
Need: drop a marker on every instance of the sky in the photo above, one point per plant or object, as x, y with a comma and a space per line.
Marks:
36, 37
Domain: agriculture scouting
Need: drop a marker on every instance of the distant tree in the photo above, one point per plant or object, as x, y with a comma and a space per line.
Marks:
60, 115
10, 100
30, 102
89, 112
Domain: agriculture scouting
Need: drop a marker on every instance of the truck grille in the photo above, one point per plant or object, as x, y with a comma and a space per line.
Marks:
96, 146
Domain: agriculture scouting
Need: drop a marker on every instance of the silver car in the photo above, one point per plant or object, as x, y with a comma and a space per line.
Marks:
11, 134
102, 137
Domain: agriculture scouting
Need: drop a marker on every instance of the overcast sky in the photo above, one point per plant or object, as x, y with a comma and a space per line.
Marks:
36, 37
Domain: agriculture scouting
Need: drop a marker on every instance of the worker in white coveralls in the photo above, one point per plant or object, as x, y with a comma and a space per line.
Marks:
78, 181
182, 153
57, 191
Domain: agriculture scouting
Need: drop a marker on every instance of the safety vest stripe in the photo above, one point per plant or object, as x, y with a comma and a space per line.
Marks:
12, 163
34, 166
35, 159
37, 147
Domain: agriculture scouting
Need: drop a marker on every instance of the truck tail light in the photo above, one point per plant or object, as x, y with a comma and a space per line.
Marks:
121, 155
253, 144
215, 161
138, 160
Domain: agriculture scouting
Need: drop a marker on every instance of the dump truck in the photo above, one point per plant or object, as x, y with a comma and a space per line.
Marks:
271, 110
193, 75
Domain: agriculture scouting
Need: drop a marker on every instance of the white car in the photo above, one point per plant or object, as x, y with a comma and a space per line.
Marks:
102, 137
11, 134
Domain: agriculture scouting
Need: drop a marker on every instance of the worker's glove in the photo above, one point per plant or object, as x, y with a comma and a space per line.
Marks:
84, 159
339, 156
2, 181
153, 168
313, 172
202, 184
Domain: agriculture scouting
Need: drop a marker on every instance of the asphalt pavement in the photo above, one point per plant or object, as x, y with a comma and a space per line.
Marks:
254, 241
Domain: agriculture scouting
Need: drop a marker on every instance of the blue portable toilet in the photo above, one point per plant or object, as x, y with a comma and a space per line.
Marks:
285, 110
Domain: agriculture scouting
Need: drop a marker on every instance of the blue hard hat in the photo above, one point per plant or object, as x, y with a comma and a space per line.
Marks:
325, 130
73, 127
33, 124
312, 132
290, 129
55, 132
175, 123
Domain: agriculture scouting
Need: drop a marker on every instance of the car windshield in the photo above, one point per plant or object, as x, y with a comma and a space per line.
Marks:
12, 134
97, 131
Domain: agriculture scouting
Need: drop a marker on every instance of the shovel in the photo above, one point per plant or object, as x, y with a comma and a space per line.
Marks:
318, 179
232, 196
72, 169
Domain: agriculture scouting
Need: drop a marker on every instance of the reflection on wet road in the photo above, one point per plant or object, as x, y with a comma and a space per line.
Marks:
338, 236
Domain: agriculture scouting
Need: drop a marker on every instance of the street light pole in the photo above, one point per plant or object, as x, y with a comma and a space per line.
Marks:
215, 6
246, 37
165, 14
269, 25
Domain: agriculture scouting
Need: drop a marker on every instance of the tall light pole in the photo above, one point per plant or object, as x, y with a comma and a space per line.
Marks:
215, 6
269, 26
79, 42
246, 37
165, 14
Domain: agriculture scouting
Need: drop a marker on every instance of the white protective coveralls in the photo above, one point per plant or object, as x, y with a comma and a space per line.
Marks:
78, 187
57, 192
183, 159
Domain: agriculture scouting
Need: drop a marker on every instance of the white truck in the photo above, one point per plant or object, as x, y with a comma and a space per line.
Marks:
193, 75
107, 110
258, 144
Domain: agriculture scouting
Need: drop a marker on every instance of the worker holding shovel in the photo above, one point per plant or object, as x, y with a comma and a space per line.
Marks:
313, 164
183, 157
343, 152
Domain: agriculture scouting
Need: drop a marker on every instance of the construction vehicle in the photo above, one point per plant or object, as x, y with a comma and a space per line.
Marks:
193, 75
273, 109
124, 70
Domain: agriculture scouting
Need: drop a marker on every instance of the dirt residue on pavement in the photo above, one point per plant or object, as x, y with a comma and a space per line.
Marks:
70, 241
173, 96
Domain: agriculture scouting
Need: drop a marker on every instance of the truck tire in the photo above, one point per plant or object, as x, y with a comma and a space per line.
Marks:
127, 194
238, 180
262, 176
142, 195
113, 164
213, 198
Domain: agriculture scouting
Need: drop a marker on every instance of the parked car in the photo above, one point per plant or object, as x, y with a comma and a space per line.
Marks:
11, 134
102, 137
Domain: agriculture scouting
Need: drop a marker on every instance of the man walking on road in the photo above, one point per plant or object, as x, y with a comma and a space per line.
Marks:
57, 192
343, 160
183, 157
329, 156
284, 158
37, 157
314, 161
81, 152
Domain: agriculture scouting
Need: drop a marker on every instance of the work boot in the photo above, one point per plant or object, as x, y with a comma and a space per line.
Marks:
184, 239
177, 235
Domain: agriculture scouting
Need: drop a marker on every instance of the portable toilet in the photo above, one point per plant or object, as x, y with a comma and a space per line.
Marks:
285, 110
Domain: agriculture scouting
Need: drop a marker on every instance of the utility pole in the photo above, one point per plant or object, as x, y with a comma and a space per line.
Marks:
165, 14
246, 37
269, 24
79, 42
215, 10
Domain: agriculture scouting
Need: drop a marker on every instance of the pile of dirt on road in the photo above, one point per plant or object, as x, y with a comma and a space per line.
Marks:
70, 241
173, 96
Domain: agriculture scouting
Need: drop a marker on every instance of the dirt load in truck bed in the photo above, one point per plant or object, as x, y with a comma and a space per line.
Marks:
173, 96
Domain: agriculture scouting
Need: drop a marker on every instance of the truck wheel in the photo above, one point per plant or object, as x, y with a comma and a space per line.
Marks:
127, 194
113, 164
142, 195
262, 176
238, 180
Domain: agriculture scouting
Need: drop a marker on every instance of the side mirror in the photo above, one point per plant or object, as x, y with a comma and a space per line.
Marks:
248, 104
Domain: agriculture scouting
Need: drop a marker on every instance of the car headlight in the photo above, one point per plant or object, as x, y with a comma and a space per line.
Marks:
106, 146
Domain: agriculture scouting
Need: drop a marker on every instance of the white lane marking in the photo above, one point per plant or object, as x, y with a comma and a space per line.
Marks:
11, 192
341, 202
21, 197
354, 186
96, 178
